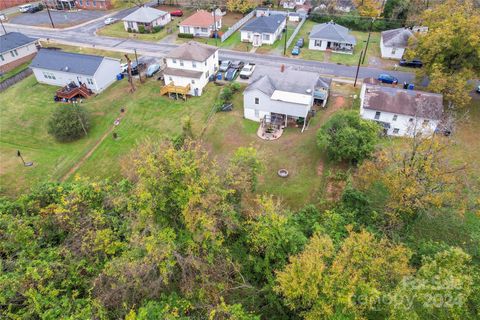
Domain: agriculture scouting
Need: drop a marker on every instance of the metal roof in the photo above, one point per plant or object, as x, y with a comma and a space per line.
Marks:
13, 40
145, 15
56, 60
264, 24
333, 32
397, 38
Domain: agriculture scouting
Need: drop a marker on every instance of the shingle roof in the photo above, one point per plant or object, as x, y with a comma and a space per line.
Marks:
400, 101
289, 81
192, 50
397, 38
332, 31
145, 15
200, 18
14, 40
182, 73
57, 60
264, 24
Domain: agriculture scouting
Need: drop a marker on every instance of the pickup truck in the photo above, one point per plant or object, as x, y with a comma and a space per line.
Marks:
247, 71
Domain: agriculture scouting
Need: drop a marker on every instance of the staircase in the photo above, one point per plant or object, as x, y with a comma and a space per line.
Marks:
73, 91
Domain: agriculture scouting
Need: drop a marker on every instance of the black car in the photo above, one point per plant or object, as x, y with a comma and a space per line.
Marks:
415, 63
135, 68
36, 8
300, 43
237, 65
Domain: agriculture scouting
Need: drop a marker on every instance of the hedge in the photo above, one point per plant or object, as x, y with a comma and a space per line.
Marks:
356, 22
185, 35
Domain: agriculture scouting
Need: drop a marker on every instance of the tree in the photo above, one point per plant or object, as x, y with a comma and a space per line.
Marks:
396, 9
68, 123
346, 136
243, 170
449, 50
323, 282
368, 8
242, 6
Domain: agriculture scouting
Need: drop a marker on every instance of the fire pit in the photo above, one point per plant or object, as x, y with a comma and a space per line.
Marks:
283, 173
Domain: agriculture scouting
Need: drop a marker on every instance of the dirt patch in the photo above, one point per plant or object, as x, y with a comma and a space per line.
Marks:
320, 168
231, 18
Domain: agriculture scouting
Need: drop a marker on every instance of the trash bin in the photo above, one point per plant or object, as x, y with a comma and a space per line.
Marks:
219, 76
411, 86
120, 76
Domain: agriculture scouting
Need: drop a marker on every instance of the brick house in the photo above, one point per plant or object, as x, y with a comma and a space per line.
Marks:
94, 4
16, 49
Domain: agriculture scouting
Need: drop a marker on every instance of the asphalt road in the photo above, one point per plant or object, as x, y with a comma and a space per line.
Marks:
85, 35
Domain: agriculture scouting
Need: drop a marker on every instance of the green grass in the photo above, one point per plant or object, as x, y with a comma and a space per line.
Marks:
84, 50
117, 30
14, 71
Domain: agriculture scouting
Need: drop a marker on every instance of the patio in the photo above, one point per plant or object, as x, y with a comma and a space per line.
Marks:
271, 127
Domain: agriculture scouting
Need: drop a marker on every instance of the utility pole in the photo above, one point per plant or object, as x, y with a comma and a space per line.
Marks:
358, 69
3, 27
286, 34
368, 40
49, 15
138, 67
215, 24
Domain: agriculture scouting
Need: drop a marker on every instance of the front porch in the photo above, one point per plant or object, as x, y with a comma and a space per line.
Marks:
338, 47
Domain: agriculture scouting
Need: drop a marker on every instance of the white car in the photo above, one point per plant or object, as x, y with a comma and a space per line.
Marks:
247, 71
123, 67
25, 7
110, 21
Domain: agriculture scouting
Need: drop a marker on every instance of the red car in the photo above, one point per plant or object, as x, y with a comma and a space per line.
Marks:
176, 13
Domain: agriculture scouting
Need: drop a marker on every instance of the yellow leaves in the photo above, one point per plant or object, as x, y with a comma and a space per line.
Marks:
368, 8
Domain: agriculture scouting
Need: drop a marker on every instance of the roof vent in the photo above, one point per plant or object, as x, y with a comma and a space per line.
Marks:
308, 91
66, 68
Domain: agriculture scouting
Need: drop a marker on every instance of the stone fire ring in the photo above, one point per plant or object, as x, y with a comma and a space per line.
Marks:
283, 173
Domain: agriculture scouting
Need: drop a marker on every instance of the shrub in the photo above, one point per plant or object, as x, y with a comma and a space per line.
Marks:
185, 35
226, 94
141, 29
346, 136
129, 30
68, 123
235, 86
157, 29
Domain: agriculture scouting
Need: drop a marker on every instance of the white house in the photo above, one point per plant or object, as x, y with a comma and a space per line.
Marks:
201, 24
331, 36
15, 49
401, 112
283, 95
291, 4
394, 42
60, 68
263, 30
146, 17
293, 17
192, 64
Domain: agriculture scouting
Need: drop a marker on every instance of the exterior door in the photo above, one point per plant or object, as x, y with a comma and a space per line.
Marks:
257, 39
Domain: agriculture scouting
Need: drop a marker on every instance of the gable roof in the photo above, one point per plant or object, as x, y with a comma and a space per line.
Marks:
56, 60
401, 101
264, 24
397, 38
14, 40
200, 18
192, 50
145, 15
332, 31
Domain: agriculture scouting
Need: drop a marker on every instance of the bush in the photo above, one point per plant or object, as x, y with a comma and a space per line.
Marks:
68, 123
226, 94
235, 86
141, 29
129, 30
157, 29
346, 136
185, 35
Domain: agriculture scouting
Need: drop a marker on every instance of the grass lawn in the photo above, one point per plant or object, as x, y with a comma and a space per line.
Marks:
117, 30
84, 50
14, 71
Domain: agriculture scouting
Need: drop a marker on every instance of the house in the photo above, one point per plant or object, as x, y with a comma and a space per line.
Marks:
61, 4
293, 17
291, 4
94, 4
344, 6
331, 36
262, 11
401, 112
191, 64
283, 96
394, 42
201, 24
61, 68
15, 49
263, 30
147, 17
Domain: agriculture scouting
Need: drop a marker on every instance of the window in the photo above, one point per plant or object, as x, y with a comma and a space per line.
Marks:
174, 61
169, 78
266, 37
396, 130
130, 24
377, 115
89, 81
80, 2
257, 100
204, 30
94, 3
207, 74
2, 58
394, 50
426, 122
194, 64
193, 81
257, 113
205, 62
181, 63
395, 117
87, 3
49, 75
411, 119
318, 43
186, 29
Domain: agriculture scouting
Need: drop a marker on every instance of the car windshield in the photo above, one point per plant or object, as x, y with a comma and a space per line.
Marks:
225, 63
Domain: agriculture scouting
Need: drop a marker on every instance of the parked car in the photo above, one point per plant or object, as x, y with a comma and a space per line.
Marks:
123, 67
136, 68
247, 71
478, 89
109, 21
387, 78
237, 65
152, 69
25, 7
300, 43
35, 8
296, 51
415, 63
176, 13
224, 65
231, 74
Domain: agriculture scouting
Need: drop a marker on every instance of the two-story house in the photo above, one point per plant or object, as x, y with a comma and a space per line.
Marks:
401, 112
15, 49
191, 64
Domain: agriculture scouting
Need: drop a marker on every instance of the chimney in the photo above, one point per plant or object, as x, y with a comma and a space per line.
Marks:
282, 68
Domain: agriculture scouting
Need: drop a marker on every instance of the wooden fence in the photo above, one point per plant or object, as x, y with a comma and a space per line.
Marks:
237, 26
16, 78
295, 32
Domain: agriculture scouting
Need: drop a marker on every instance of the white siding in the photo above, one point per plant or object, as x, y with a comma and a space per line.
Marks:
317, 44
106, 74
18, 53
391, 52
161, 21
264, 38
201, 31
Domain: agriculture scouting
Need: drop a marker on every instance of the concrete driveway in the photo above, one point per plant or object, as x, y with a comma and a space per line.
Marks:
60, 18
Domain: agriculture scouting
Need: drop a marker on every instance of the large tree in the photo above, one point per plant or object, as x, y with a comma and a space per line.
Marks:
450, 50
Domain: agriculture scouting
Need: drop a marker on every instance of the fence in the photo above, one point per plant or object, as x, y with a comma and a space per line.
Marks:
295, 32
16, 78
236, 26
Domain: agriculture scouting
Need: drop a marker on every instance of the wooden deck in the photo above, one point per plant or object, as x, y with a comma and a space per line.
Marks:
177, 90
69, 92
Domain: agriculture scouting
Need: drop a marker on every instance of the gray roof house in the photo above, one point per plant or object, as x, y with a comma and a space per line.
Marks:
15, 49
394, 42
331, 36
263, 29
146, 17
56, 67
284, 94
